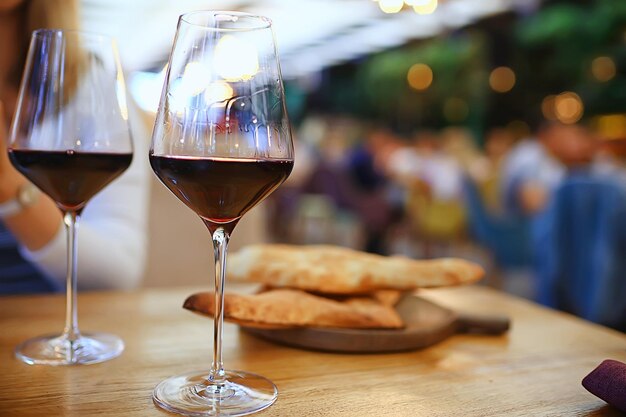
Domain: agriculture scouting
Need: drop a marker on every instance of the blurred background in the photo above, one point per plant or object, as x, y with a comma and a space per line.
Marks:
493, 130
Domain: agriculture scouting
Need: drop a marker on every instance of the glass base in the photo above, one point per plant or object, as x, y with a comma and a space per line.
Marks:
192, 395
58, 350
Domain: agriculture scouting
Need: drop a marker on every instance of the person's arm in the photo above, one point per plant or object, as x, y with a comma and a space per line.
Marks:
36, 225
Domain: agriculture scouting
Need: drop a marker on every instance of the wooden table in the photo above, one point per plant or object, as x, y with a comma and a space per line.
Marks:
535, 370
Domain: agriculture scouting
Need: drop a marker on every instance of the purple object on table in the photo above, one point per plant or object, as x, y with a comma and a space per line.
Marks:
608, 382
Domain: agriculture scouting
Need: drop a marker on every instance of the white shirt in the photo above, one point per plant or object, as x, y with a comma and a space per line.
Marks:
441, 172
529, 161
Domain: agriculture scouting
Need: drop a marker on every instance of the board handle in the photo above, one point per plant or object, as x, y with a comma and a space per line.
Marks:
470, 323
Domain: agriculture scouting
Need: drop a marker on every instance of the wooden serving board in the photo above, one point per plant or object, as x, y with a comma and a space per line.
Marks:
426, 324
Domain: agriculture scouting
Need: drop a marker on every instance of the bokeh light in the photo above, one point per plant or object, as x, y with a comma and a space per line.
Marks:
568, 107
425, 7
502, 79
236, 58
420, 76
603, 68
217, 92
195, 79
547, 107
455, 109
417, 2
390, 6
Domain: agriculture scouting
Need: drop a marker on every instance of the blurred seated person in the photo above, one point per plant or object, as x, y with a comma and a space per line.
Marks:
486, 170
347, 181
432, 177
582, 235
327, 173
112, 228
428, 163
368, 181
534, 168
459, 144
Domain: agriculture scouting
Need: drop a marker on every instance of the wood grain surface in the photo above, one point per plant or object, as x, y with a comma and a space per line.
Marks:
533, 370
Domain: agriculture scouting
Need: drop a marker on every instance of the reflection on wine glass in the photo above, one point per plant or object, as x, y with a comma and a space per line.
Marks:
221, 144
70, 137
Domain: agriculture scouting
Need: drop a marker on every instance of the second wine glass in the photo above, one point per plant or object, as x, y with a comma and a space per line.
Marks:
70, 137
221, 144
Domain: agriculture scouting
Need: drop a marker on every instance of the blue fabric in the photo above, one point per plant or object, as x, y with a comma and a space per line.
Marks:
506, 237
581, 257
18, 276
362, 170
511, 200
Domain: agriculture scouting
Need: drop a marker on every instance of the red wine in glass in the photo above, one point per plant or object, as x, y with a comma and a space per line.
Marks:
70, 178
70, 136
221, 144
220, 190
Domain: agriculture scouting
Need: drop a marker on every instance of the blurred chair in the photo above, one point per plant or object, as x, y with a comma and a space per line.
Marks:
581, 261
506, 237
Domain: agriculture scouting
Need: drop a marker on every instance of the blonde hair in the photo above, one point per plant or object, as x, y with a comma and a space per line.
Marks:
63, 15
52, 14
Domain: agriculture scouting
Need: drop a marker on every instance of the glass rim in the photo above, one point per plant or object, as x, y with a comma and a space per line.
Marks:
44, 32
264, 22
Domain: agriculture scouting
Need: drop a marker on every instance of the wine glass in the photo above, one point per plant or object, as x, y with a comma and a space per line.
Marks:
221, 144
70, 137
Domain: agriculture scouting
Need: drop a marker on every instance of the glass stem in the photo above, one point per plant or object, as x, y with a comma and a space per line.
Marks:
220, 247
71, 332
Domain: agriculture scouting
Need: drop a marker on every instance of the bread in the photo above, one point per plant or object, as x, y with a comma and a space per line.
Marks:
282, 308
388, 297
337, 270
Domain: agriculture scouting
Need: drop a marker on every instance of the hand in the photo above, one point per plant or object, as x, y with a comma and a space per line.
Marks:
533, 197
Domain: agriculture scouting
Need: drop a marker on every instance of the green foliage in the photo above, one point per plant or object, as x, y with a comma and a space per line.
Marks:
454, 61
562, 40
550, 52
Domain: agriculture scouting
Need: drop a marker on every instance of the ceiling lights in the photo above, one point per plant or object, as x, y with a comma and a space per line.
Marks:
419, 6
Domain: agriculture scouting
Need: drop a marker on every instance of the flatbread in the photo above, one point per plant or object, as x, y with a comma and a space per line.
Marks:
337, 270
388, 297
294, 308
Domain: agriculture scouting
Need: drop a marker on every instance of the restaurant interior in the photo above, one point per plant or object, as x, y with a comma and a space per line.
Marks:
424, 133
488, 132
